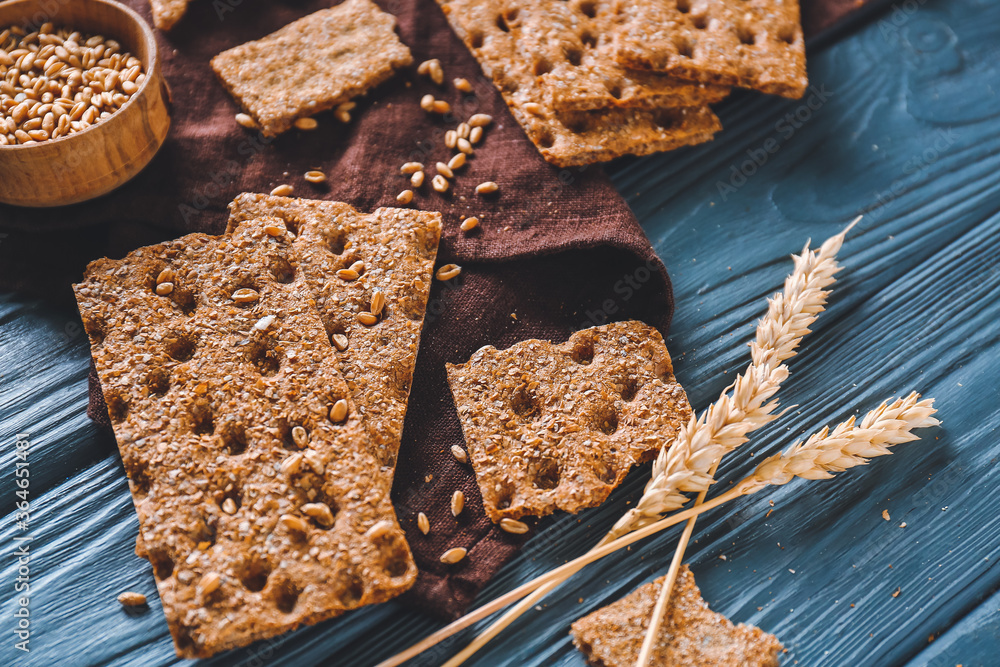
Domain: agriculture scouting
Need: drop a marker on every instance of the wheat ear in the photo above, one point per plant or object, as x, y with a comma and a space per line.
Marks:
790, 313
818, 457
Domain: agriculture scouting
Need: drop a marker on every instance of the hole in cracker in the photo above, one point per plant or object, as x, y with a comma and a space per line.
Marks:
545, 139
476, 39
204, 530
700, 21
683, 46
262, 354
589, 39
163, 564
746, 35
683, 6
511, 15
285, 594
202, 417
577, 123
336, 241
605, 419
281, 269
180, 346
583, 351
605, 471
158, 381
284, 428
502, 23
544, 473
629, 387
253, 573
666, 118
184, 298
352, 590
117, 405
185, 643
664, 371
542, 66
505, 496
786, 33
614, 90
573, 54
233, 437
588, 8
524, 402
395, 559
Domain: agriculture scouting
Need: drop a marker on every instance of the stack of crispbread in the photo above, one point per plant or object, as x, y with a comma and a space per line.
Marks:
257, 383
592, 80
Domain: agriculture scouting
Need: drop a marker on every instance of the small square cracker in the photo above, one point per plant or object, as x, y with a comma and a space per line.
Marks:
749, 43
398, 248
312, 64
204, 393
559, 426
571, 137
691, 635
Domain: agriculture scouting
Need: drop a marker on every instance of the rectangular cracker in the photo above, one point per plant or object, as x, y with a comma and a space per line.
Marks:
691, 635
569, 138
748, 43
168, 12
398, 248
205, 394
567, 47
559, 426
312, 64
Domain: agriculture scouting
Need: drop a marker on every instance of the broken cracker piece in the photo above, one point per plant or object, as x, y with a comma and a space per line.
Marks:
312, 64
394, 251
749, 43
691, 634
207, 386
559, 426
166, 13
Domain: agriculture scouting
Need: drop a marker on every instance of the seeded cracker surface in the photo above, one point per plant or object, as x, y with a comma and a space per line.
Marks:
750, 43
168, 12
204, 393
312, 64
558, 426
565, 138
569, 46
692, 635
398, 248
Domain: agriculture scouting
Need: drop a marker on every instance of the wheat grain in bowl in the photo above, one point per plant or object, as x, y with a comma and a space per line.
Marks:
57, 81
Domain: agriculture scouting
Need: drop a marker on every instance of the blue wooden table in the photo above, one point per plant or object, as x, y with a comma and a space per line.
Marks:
902, 124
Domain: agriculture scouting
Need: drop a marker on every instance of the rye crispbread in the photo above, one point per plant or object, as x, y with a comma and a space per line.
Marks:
558, 426
749, 43
691, 635
398, 248
312, 64
204, 393
567, 138
569, 48
168, 12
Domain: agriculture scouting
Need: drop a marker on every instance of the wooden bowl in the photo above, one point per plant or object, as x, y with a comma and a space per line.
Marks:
87, 164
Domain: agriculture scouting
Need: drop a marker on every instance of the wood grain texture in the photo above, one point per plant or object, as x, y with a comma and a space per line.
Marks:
916, 308
88, 164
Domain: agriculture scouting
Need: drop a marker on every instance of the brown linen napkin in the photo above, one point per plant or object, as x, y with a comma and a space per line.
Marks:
558, 250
